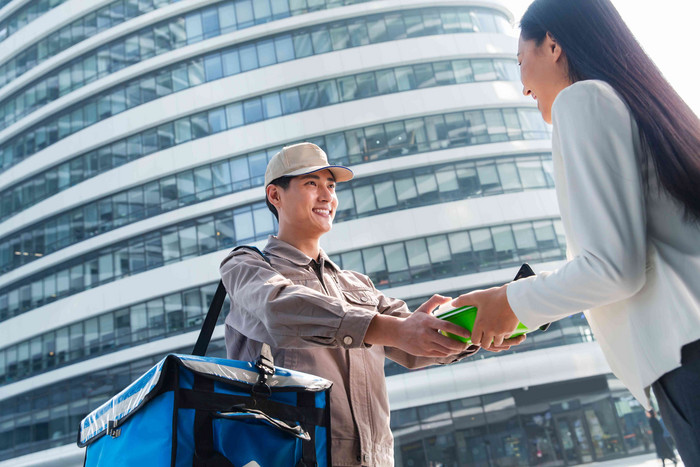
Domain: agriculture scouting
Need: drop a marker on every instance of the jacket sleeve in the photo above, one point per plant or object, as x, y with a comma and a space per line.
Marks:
396, 307
268, 307
602, 205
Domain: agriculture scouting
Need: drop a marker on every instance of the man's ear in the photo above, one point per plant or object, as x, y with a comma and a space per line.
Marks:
553, 47
273, 195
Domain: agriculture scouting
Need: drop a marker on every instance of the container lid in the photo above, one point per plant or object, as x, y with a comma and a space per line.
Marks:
150, 384
453, 312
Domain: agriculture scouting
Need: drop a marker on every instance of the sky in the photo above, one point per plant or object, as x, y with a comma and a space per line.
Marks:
668, 31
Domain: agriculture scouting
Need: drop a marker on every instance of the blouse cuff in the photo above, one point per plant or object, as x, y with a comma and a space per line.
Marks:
519, 295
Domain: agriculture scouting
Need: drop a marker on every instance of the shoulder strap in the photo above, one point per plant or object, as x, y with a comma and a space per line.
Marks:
255, 249
200, 347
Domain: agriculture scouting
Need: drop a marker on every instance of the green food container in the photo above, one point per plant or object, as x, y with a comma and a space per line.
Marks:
465, 317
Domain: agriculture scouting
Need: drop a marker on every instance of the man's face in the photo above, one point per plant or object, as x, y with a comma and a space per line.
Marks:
309, 204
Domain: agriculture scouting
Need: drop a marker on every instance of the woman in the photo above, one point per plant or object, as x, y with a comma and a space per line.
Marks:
626, 155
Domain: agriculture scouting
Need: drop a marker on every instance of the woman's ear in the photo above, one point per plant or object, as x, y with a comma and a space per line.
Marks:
553, 47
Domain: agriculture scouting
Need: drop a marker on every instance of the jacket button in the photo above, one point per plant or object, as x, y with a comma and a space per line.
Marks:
363, 298
347, 340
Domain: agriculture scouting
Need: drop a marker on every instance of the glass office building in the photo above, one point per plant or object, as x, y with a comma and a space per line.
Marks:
134, 136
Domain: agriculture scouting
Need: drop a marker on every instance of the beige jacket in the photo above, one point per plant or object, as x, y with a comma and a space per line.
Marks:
314, 316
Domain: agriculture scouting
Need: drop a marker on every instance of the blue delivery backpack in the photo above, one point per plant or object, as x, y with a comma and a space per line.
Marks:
196, 411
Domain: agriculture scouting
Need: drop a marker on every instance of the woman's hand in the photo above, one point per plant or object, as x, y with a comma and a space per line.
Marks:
495, 320
507, 344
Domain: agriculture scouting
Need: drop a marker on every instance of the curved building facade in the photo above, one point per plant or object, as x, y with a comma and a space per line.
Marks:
134, 136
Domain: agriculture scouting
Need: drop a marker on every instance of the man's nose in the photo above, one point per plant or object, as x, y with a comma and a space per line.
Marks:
526, 91
324, 193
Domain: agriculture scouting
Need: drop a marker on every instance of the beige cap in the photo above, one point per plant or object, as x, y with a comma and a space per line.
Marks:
302, 159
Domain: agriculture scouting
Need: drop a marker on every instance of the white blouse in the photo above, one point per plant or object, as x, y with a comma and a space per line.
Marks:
634, 262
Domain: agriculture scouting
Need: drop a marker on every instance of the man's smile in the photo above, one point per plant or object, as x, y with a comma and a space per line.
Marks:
322, 212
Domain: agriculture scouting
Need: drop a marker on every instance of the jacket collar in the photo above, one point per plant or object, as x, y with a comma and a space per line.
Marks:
282, 249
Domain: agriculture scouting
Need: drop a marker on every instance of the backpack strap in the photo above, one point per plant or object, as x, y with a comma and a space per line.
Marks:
261, 390
255, 249
200, 347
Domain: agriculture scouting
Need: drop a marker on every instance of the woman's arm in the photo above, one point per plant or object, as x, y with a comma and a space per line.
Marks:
602, 205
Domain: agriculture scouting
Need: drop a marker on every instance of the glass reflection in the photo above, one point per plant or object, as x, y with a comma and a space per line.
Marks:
520, 427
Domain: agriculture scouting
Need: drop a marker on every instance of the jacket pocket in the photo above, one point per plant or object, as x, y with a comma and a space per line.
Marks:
361, 297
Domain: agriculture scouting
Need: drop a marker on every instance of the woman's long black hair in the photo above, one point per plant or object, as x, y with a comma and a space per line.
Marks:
598, 45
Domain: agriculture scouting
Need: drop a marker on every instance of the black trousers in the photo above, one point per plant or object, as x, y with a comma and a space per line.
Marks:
678, 395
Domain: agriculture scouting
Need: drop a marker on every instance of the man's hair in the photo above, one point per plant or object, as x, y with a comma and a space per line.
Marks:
282, 182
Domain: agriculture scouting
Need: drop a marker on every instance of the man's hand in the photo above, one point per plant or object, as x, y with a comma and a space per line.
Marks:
495, 320
418, 333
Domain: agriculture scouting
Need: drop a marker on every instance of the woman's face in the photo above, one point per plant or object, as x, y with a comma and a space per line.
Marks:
543, 72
